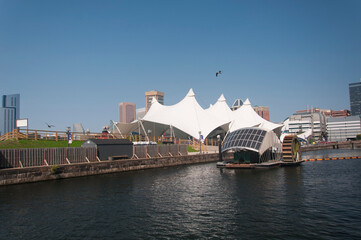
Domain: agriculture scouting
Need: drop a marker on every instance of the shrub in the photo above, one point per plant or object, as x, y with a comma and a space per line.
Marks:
54, 169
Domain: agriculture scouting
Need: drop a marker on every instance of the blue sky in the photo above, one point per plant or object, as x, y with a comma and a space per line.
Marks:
74, 61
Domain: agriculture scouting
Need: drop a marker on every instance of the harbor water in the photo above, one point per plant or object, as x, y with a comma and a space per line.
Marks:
317, 200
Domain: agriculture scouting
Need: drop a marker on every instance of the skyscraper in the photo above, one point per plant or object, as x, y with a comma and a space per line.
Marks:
9, 113
126, 112
159, 96
355, 98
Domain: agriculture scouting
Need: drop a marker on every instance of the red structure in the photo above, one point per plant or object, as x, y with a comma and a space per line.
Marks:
328, 112
262, 111
341, 113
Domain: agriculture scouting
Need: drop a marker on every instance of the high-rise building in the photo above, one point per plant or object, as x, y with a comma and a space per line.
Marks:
159, 96
262, 111
355, 98
9, 113
126, 112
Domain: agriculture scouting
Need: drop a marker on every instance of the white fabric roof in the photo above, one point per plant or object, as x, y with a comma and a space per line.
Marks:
221, 110
189, 117
245, 116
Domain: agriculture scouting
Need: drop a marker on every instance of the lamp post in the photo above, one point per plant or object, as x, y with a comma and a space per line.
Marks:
68, 135
219, 147
200, 142
149, 132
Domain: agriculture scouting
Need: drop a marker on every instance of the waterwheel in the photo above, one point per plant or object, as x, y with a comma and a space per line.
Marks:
291, 149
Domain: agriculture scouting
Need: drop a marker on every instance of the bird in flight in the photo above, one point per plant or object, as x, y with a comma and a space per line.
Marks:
49, 126
219, 72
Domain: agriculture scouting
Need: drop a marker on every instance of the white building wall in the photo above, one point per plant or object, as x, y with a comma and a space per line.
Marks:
304, 121
343, 128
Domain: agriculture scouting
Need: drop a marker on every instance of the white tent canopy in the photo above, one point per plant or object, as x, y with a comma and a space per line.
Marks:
188, 118
245, 116
187, 115
221, 110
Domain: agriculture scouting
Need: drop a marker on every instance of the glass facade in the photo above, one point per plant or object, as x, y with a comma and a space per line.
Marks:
9, 113
355, 98
250, 138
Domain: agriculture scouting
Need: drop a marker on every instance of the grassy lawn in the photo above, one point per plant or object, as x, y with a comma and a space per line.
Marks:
190, 149
10, 144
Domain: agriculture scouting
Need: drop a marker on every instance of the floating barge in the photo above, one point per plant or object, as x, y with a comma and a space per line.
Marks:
257, 148
257, 165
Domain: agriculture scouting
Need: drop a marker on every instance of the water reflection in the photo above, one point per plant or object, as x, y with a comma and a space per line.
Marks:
195, 201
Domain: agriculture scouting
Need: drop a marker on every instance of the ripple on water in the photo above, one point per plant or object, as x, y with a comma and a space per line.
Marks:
316, 200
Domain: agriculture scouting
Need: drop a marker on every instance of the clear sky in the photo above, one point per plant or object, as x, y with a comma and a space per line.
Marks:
74, 61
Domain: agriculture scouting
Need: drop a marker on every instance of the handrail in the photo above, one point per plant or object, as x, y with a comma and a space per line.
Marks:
33, 134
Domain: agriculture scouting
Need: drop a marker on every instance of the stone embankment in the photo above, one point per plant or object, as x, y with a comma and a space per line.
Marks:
332, 145
43, 173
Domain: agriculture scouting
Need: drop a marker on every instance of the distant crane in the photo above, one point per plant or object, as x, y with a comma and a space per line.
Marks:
49, 126
219, 72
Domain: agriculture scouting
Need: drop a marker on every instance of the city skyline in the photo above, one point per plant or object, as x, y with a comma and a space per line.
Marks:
74, 62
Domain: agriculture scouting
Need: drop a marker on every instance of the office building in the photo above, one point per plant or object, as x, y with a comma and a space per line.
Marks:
315, 121
159, 96
355, 98
262, 111
343, 128
9, 113
126, 112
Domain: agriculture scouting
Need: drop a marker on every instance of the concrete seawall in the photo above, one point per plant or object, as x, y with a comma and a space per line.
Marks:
44, 173
331, 154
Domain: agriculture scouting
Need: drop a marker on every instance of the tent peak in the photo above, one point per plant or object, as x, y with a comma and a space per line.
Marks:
154, 100
247, 102
221, 98
190, 93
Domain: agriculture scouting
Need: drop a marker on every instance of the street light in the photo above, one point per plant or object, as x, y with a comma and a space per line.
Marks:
200, 143
219, 147
149, 132
68, 135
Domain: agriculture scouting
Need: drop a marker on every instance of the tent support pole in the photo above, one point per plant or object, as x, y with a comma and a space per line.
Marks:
141, 124
118, 129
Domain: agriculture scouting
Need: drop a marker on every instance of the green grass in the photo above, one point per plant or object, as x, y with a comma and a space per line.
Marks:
11, 144
190, 149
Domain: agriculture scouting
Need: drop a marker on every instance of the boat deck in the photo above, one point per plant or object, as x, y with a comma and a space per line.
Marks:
257, 165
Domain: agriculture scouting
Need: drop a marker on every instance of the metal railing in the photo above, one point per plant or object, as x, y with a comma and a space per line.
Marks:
31, 157
80, 136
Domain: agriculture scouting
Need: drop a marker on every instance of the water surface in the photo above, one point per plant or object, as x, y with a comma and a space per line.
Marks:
316, 200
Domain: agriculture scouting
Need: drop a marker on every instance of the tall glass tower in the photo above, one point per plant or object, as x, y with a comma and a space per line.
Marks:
9, 112
355, 98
